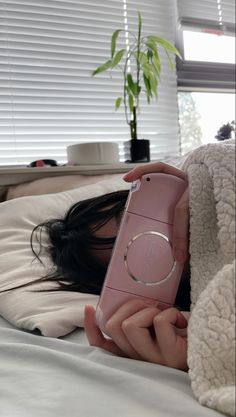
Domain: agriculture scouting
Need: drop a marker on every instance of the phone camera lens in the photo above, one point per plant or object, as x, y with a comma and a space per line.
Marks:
147, 179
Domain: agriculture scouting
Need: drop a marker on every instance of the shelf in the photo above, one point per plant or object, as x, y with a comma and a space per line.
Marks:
17, 174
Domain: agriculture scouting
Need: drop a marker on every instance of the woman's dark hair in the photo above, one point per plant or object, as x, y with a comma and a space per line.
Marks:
72, 239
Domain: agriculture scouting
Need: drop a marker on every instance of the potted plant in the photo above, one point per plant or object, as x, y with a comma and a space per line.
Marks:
225, 131
141, 67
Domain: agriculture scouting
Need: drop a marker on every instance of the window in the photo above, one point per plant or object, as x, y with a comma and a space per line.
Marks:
206, 38
201, 116
206, 75
208, 47
48, 99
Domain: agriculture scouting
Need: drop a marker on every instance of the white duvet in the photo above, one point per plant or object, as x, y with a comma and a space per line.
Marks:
48, 377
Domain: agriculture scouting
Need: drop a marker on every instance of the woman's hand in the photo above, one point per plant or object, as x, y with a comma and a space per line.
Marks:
142, 332
181, 216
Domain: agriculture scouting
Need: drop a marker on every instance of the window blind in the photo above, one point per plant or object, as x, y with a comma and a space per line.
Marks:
48, 99
202, 13
214, 16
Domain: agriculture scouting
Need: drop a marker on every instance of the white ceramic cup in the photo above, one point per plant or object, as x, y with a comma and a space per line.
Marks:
93, 153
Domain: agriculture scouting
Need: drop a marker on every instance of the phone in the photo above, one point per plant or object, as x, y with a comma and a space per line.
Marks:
142, 264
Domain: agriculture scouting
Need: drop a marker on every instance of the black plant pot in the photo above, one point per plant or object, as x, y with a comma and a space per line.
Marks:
137, 150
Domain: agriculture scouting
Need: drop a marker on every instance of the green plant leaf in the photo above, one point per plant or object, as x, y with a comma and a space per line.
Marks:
141, 57
153, 55
149, 55
149, 69
113, 41
148, 87
103, 67
118, 102
153, 84
118, 57
132, 86
153, 70
157, 63
146, 74
151, 45
131, 103
168, 46
171, 62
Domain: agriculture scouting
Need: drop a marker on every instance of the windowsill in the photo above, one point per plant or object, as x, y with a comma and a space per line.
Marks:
15, 175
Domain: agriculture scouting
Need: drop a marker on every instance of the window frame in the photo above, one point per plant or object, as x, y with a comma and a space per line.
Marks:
211, 76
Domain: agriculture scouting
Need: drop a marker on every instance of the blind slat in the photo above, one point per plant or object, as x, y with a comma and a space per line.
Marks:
207, 10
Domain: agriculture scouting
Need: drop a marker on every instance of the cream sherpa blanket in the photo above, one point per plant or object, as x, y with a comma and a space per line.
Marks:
211, 331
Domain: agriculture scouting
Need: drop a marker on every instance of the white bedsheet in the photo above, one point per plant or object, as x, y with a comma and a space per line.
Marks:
45, 377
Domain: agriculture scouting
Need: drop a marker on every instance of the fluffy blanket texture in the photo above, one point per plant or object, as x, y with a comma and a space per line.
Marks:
211, 331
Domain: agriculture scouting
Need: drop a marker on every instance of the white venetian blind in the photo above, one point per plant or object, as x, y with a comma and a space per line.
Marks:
48, 99
218, 12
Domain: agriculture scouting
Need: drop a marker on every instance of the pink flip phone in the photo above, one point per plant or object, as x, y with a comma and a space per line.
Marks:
142, 263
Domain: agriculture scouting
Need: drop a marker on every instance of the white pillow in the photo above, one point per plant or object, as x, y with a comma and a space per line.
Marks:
53, 313
48, 185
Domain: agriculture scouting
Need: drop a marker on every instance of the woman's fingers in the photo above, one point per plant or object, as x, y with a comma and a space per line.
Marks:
137, 329
172, 346
138, 172
94, 334
117, 328
181, 228
117, 325
131, 329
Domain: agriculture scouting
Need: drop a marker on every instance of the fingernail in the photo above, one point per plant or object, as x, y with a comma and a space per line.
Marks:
179, 256
126, 176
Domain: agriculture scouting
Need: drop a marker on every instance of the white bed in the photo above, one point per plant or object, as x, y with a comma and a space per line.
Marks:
45, 377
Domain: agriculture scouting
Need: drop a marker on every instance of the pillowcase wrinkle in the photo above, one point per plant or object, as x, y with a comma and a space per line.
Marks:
55, 313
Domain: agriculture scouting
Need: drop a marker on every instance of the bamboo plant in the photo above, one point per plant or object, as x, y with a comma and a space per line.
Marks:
140, 64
